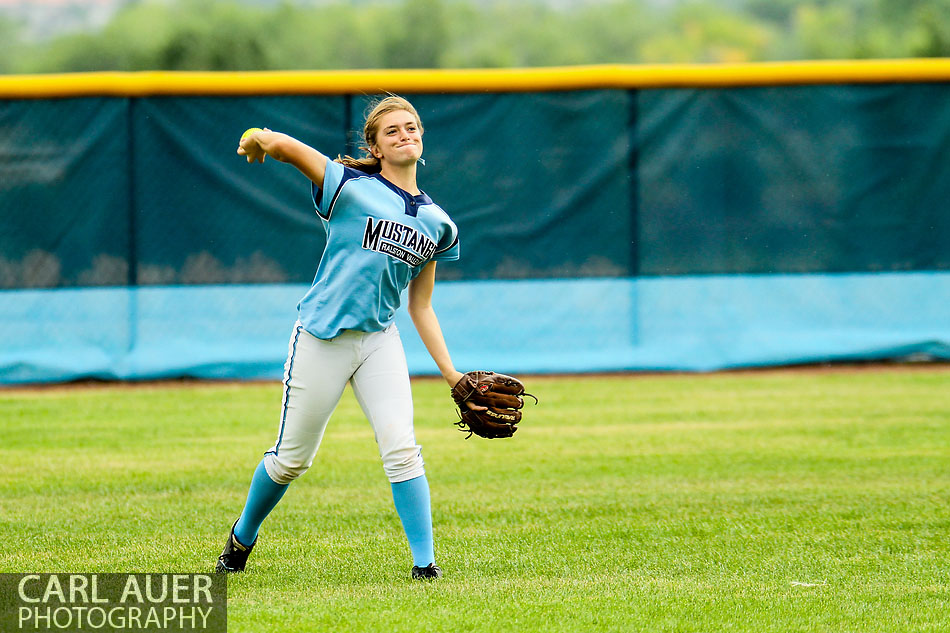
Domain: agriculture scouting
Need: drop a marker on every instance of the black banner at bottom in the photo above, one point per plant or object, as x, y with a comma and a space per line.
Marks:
114, 603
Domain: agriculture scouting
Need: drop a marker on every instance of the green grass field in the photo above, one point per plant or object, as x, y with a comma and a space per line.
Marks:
772, 501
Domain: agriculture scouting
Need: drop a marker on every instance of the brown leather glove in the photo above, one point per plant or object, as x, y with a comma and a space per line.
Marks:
503, 397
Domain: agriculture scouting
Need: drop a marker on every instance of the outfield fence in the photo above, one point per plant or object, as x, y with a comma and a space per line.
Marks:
611, 218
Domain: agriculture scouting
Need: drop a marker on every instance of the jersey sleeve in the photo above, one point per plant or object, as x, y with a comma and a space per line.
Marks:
323, 198
448, 247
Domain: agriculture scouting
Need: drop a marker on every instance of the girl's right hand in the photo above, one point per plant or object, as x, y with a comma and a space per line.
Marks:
250, 147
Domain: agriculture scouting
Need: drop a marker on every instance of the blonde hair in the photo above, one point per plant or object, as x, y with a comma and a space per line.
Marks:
370, 164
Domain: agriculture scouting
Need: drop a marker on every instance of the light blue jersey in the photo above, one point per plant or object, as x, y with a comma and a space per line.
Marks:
379, 237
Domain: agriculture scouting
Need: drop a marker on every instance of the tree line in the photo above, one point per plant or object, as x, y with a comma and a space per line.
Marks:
219, 35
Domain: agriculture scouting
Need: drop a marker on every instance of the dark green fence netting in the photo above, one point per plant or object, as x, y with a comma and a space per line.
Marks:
606, 183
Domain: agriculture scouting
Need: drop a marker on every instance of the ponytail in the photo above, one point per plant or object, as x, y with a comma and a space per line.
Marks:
368, 164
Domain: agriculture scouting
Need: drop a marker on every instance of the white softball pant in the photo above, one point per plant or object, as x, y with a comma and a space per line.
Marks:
315, 375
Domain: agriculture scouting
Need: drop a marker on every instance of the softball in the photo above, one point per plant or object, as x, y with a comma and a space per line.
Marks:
250, 131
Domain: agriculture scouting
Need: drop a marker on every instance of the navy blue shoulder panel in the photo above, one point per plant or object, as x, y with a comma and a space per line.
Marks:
454, 242
349, 173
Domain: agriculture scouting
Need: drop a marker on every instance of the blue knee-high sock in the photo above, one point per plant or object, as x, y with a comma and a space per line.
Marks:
412, 504
261, 499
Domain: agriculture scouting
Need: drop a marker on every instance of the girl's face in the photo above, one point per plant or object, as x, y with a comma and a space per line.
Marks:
398, 138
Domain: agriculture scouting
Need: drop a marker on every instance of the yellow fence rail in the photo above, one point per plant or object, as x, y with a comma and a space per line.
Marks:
153, 83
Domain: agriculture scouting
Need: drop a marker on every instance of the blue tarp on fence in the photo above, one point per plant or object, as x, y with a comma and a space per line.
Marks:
692, 323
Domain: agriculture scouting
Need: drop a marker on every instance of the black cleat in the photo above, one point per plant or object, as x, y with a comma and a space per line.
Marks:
234, 556
429, 572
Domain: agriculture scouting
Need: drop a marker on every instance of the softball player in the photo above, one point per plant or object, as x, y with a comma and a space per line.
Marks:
383, 234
